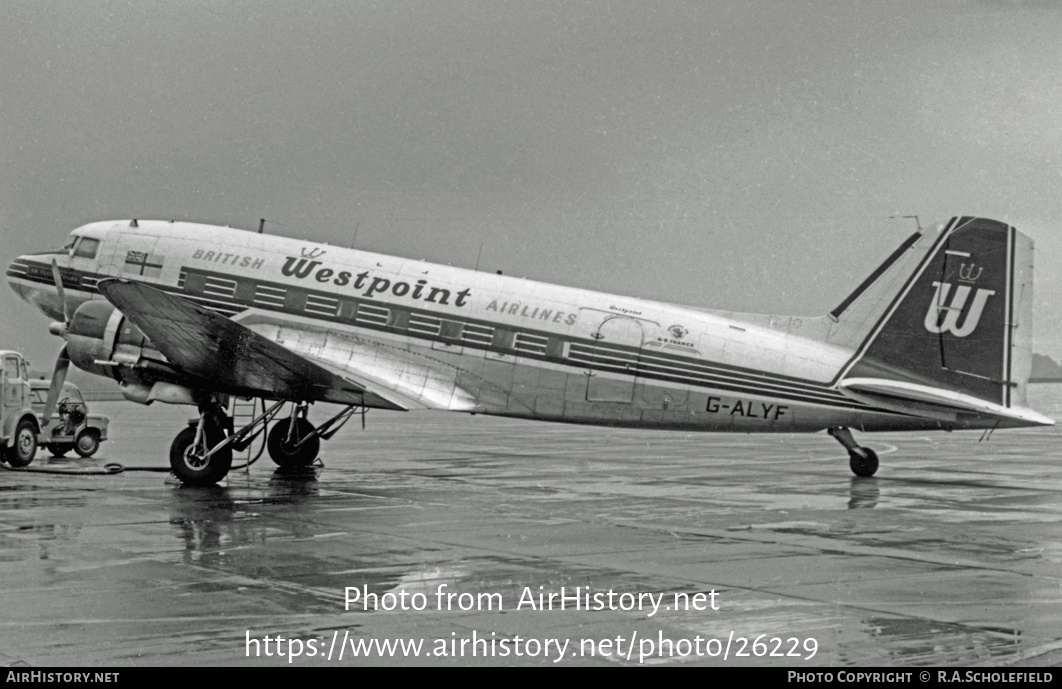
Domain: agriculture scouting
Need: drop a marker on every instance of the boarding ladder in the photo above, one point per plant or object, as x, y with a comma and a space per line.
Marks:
242, 412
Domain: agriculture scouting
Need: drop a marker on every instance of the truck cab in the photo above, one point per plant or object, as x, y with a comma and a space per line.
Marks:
19, 426
71, 427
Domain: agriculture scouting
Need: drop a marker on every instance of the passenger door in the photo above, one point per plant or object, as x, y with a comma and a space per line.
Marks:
614, 360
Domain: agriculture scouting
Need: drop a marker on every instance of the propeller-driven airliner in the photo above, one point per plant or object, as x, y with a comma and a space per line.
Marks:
937, 338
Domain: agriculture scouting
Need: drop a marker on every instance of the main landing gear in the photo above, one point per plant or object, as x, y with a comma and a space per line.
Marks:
862, 460
201, 455
293, 442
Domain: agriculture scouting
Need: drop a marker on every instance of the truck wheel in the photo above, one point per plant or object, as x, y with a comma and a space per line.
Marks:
22, 452
87, 442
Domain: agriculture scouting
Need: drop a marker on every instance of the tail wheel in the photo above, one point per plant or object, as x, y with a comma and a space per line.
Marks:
863, 466
24, 448
285, 454
87, 442
189, 463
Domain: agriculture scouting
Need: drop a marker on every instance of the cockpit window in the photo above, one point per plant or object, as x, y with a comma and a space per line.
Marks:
87, 248
70, 242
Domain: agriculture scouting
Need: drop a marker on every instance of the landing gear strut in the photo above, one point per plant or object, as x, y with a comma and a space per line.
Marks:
201, 455
293, 442
862, 460
198, 455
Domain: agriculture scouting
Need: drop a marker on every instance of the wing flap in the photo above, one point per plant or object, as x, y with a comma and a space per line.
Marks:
230, 357
416, 381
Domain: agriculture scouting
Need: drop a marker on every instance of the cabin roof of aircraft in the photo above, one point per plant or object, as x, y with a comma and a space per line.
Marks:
252, 240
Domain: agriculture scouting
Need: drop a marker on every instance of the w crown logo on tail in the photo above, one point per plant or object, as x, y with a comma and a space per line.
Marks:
968, 274
950, 323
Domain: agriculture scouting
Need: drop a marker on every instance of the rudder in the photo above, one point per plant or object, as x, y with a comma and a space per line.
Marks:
964, 320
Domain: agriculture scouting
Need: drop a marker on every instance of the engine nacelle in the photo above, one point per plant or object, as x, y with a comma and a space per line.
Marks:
94, 334
103, 341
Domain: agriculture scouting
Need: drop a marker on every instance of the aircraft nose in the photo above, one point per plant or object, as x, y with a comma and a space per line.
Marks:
16, 275
31, 279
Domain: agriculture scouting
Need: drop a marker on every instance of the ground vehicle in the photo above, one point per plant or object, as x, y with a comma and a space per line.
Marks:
71, 426
18, 424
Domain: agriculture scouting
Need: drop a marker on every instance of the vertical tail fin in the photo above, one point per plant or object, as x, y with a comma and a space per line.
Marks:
962, 324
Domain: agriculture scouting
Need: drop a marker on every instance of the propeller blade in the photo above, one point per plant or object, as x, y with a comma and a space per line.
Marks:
58, 279
62, 363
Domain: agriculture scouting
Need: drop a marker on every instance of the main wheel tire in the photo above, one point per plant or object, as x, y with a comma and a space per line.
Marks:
87, 442
58, 450
24, 449
863, 466
286, 456
188, 464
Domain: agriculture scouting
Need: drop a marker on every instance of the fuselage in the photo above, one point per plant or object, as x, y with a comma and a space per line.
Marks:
479, 342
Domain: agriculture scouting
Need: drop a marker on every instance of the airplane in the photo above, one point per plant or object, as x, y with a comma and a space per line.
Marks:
937, 338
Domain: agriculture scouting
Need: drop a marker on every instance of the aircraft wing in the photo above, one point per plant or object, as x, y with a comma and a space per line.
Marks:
230, 356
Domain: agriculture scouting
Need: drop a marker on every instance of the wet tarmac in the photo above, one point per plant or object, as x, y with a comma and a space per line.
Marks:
951, 555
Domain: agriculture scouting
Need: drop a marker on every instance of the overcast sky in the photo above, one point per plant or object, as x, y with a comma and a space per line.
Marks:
737, 155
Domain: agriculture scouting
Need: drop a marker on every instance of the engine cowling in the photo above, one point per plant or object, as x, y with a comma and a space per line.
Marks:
101, 340
93, 337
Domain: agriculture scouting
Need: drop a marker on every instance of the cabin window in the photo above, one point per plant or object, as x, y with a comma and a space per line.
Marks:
451, 330
399, 319
557, 348
86, 248
504, 338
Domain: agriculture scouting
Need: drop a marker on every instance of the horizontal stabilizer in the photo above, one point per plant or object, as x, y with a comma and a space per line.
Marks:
888, 393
